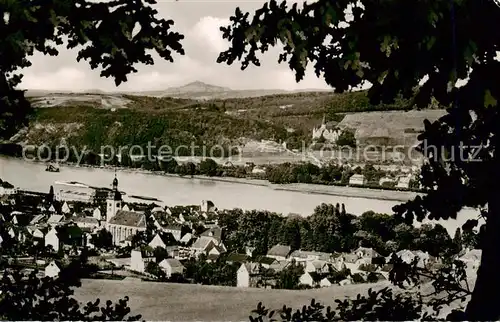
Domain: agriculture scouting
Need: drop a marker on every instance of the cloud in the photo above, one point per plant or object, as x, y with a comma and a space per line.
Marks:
65, 78
207, 33
200, 23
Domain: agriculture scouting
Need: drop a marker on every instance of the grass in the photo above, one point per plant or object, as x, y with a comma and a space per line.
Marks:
187, 302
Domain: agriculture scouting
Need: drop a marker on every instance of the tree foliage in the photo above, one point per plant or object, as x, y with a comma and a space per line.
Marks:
26, 297
103, 32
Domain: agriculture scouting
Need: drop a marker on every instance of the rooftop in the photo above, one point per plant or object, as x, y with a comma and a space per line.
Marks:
129, 218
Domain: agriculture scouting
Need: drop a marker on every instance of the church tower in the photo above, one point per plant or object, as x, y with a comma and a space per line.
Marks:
114, 201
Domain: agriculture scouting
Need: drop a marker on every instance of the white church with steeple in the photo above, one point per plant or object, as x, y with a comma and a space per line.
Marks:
122, 224
114, 201
327, 131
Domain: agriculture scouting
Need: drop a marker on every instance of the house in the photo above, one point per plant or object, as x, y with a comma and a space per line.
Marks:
157, 209
161, 240
213, 232
357, 180
39, 235
52, 270
21, 219
6, 189
204, 244
172, 266
320, 267
344, 261
125, 224
55, 220
311, 279
249, 251
139, 259
279, 252
86, 222
65, 208
327, 282
215, 251
248, 275
211, 223
97, 214
278, 266
266, 262
404, 182
37, 220
300, 256
176, 231
178, 252
186, 238
52, 209
52, 239
237, 258
125, 208
207, 206
408, 256
258, 170
386, 181
347, 281
364, 252
18, 233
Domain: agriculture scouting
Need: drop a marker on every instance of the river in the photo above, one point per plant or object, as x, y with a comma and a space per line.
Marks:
186, 191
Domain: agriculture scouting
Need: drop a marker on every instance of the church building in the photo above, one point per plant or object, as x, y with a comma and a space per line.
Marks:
120, 223
328, 131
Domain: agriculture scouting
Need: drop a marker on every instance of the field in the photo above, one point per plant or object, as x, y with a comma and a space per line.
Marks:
187, 302
183, 302
402, 127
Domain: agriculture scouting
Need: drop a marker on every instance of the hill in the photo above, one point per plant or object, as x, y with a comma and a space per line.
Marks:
95, 119
194, 90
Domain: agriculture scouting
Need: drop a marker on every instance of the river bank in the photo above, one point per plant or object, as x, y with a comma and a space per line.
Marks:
331, 190
225, 193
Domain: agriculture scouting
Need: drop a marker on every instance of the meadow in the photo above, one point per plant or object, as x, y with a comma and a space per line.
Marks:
187, 302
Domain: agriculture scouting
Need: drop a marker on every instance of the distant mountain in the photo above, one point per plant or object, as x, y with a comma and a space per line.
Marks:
198, 87
194, 90
202, 91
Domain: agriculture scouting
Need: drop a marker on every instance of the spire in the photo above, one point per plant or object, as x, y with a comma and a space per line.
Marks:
324, 120
115, 182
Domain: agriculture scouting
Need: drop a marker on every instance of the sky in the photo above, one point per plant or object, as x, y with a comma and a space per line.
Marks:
199, 21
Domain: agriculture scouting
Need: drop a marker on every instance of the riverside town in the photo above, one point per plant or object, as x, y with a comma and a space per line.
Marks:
266, 160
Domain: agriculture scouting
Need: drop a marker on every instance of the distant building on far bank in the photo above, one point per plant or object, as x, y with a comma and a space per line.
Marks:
357, 180
77, 191
326, 130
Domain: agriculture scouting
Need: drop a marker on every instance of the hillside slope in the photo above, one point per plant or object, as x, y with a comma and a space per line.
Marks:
96, 119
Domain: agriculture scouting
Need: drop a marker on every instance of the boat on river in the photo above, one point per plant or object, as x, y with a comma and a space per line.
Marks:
51, 168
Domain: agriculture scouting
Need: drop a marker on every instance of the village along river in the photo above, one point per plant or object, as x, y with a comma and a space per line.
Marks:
186, 191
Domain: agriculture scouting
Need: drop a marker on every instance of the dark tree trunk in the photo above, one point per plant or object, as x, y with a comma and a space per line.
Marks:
485, 301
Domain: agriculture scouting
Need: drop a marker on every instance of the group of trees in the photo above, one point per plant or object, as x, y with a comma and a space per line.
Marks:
330, 229
330, 174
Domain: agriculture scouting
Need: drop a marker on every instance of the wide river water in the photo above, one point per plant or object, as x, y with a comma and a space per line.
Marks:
186, 191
